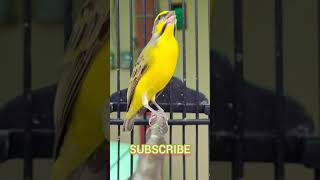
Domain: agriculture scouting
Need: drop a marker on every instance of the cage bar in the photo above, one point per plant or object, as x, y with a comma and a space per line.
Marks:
170, 156
318, 23
197, 82
237, 163
118, 55
209, 34
279, 154
155, 8
118, 154
28, 161
118, 81
131, 36
131, 68
131, 156
184, 80
170, 122
144, 11
176, 107
171, 112
67, 20
170, 85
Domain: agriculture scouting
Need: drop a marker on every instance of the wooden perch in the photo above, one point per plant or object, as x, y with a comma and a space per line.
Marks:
150, 166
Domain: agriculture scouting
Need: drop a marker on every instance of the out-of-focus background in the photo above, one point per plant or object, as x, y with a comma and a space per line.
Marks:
301, 64
47, 57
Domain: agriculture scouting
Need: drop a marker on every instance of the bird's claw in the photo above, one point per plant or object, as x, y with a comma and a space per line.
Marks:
159, 119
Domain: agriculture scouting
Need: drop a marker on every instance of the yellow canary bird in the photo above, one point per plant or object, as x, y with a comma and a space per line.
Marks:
81, 95
154, 68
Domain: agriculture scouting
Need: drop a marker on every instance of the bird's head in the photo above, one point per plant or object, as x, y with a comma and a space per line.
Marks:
164, 24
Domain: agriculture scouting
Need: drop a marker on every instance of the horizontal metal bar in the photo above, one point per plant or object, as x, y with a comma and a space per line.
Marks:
12, 144
176, 107
258, 147
170, 122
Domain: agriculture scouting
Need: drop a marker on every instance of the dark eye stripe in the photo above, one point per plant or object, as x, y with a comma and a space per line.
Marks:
163, 28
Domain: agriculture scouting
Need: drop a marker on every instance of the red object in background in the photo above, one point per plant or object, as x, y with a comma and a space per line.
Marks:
140, 31
149, 6
142, 130
140, 21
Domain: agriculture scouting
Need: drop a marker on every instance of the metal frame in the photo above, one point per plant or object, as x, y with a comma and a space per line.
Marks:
28, 162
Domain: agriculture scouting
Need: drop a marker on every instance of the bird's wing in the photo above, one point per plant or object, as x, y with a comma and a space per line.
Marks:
89, 32
139, 69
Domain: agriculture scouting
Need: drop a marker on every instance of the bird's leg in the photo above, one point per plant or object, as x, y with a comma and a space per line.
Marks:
145, 103
156, 104
160, 113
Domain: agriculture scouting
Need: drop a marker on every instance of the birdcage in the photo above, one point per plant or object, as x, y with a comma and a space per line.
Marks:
183, 98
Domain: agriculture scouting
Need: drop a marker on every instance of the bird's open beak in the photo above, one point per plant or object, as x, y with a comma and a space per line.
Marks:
171, 17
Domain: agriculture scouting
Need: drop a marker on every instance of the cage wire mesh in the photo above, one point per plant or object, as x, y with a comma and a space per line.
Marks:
185, 98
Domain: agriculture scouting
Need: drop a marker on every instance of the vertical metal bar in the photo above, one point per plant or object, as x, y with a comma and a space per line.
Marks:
170, 5
184, 158
184, 58
155, 8
170, 85
184, 80
118, 162
145, 134
197, 152
131, 36
118, 80
237, 164
118, 56
170, 156
171, 112
144, 10
209, 33
131, 156
131, 68
67, 20
27, 164
197, 56
279, 161
319, 55
197, 81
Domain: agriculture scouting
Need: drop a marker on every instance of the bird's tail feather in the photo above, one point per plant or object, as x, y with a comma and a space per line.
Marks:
128, 125
129, 122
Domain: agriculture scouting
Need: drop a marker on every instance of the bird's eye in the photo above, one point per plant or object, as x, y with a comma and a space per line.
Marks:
161, 16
